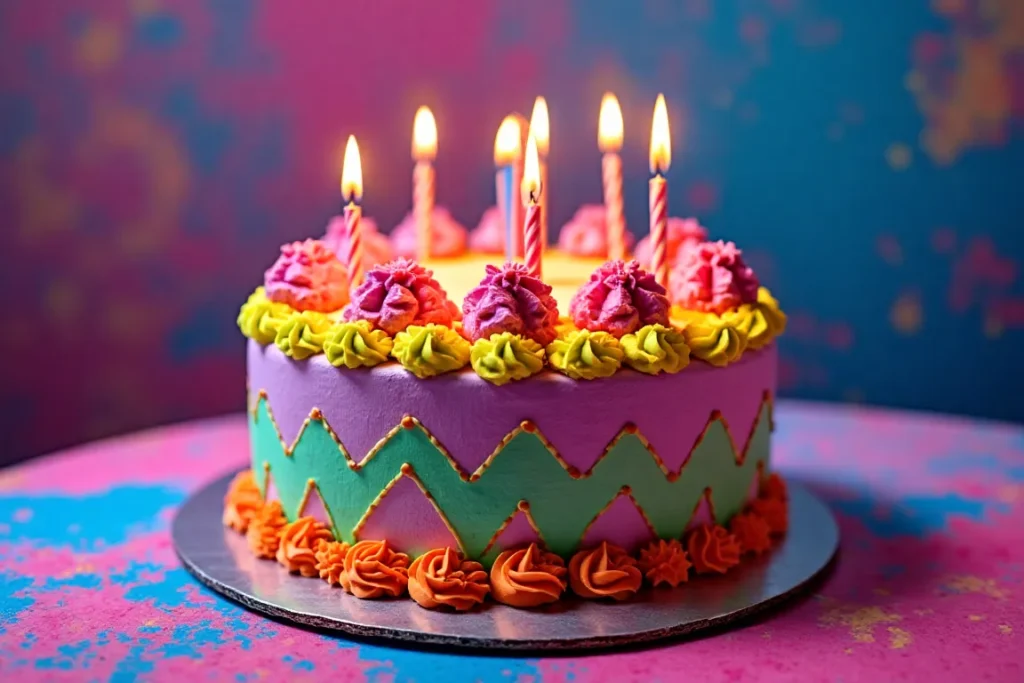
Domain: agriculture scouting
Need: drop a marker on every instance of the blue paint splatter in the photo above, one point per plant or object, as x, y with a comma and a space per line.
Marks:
160, 30
916, 516
89, 521
11, 604
975, 462
406, 666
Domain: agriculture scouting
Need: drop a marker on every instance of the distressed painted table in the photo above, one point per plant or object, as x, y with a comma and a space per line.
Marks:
928, 585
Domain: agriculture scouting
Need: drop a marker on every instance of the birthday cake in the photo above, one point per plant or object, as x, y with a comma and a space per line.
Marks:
468, 429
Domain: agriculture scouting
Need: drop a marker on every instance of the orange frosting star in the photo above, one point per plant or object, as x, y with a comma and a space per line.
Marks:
752, 532
299, 540
775, 512
664, 562
242, 502
712, 549
774, 487
527, 577
606, 571
264, 533
373, 570
442, 578
330, 560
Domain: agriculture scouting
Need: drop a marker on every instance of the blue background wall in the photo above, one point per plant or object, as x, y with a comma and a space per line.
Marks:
869, 156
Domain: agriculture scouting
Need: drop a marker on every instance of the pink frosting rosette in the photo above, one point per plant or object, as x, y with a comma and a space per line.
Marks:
682, 233
509, 299
488, 237
586, 233
447, 236
308, 277
619, 298
398, 294
376, 247
713, 277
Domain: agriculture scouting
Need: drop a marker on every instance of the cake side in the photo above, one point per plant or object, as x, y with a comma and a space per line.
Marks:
625, 459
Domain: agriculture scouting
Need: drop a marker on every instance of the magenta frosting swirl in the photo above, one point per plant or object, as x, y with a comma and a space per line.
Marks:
488, 237
398, 294
509, 299
376, 247
713, 277
586, 233
682, 233
308, 277
447, 236
619, 298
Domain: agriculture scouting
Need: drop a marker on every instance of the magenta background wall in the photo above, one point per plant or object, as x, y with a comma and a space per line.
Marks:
154, 154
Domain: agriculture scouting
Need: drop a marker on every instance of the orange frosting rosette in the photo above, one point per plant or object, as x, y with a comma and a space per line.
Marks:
752, 532
374, 570
441, 577
242, 502
299, 540
664, 563
606, 571
712, 549
330, 561
264, 533
527, 577
775, 512
774, 487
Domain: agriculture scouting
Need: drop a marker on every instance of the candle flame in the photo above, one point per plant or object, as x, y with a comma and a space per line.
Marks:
609, 124
507, 144
661, 142
531, 173
540, 126
352, 172
424, 135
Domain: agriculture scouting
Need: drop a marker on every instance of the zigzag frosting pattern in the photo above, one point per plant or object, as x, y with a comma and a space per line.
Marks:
524, 467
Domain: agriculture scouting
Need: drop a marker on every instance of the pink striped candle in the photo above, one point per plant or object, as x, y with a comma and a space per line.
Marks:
352, 191
531, 189
424, 149
609, 140
661, 157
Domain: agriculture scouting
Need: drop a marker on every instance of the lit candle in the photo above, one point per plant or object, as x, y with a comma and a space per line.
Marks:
424, 149
661, 157
609, 140
540, 128
352, 192
531, 189
508, 154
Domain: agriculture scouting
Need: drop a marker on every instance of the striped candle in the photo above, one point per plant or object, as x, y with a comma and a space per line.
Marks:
531, 189
659, 224
353, 216
609, 140
424, 149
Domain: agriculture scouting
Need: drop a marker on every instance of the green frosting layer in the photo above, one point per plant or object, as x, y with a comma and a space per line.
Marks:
656, 348
357, 345
583, 354
506, 357
524, 469
302, 334
260, 318
428, 350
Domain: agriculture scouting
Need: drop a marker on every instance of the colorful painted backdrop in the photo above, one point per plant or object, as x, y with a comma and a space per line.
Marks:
154, 154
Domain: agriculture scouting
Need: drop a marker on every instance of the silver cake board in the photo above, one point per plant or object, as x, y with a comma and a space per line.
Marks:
221, 559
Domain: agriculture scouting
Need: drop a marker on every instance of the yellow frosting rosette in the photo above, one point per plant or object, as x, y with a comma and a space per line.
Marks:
429, 350
260, 318
505, 357
656, 348
760, 322
302, 334
769, 308
585, 354
713, 339
357, 345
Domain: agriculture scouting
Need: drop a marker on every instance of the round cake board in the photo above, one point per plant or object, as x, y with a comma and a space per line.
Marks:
221, 559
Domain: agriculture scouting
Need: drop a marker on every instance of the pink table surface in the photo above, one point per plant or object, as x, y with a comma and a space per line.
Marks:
927, 587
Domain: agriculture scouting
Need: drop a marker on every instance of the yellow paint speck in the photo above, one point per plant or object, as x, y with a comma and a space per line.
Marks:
1005, 629
974, 584
899, 156
848, 651
861, 621
898, 638
976, 617
906, 314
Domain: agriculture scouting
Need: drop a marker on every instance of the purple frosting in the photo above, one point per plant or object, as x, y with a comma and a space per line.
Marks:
489, 235
682, 233
619, 298
308, 277
376, 247
447, 237
398, 294
509, 299
586, 233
